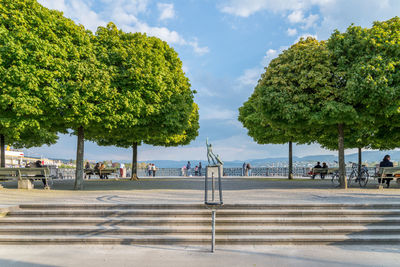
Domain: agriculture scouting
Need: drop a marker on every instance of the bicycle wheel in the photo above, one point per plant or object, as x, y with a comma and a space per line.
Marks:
335, 179
363, 179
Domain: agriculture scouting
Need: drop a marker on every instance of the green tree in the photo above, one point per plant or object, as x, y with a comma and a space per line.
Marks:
154, 102
263, 132
299, 93
30, 58
367, 67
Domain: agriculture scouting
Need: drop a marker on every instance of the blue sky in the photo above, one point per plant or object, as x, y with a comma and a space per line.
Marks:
224, 46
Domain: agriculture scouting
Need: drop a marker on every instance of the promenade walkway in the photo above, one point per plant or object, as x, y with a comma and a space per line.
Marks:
190, 190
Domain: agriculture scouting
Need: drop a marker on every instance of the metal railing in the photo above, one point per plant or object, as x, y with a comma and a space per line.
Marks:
213, 204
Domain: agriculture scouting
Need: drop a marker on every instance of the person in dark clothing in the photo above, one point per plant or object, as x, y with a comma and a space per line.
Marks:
324, 166
200, 167
38, 164
386, 163
317, 166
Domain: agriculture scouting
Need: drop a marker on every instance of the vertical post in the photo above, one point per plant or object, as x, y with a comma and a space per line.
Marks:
213, 231
3, 153
359, 162
290, 160
134, 161
220, 183
79, 159
213, 187
342, 166
206, 186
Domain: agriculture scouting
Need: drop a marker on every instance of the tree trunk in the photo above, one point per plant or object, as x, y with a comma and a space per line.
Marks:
134, 162
3, 152
79, 160
290, 160
342, 166
359, 161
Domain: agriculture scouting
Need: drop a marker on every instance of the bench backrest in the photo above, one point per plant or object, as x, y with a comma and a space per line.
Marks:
389, 170
34, 171
9, 172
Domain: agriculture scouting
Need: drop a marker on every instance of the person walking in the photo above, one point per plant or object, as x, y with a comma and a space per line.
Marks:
188, 169
244, 169
149, 169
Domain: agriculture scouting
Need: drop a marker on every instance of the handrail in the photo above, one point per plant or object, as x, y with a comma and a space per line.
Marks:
213, 204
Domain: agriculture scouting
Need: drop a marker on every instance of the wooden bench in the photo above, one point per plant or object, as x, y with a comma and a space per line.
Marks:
324, 171
384, 172
7, 174
20, 174
106, 171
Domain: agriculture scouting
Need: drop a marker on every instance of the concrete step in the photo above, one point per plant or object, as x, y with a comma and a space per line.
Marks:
203, 240
307, 206
201, 213
182, 230
116, 221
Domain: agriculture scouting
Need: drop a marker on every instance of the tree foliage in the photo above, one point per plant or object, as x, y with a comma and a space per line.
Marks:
153, 100
29, 70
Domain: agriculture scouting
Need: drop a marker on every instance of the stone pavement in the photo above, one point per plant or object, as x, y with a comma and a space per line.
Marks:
96, 256
191, 190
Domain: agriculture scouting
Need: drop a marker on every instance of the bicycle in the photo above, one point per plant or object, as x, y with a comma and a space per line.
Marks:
360, 177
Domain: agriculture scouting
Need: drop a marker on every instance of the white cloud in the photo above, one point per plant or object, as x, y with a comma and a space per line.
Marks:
250, 77
296, 16
124, 13
291, 32
198, 49
166, 11
216, 113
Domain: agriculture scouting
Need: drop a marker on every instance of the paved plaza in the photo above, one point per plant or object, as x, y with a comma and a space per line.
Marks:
191, 190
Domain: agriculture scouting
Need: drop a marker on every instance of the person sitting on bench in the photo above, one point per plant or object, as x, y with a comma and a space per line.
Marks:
317, 166
38, 164
386, 163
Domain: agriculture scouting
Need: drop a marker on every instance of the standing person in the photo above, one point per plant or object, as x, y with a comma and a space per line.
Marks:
316, 166
149, 169
121, 170
183, 169
248, 167
200, 168
196, 171
386, 163
244, 169
188, 168
153, 168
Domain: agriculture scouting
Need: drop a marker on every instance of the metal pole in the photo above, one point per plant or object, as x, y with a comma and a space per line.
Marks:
220, 184
213, 187
205, 186
213, 230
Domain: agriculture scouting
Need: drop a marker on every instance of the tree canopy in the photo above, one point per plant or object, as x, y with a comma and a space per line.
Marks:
153, 100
